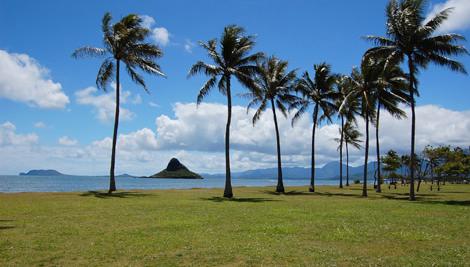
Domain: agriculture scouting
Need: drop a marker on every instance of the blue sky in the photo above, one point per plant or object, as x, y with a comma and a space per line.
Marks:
302, 32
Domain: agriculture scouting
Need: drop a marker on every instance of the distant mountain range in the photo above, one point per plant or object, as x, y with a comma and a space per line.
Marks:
328, 171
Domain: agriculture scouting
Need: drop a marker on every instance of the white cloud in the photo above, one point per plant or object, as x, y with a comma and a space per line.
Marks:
22, 79
188, 46
9, 137
196, 137
161, 36
67, 141
458, 20
104, 104
147, 21
40, 125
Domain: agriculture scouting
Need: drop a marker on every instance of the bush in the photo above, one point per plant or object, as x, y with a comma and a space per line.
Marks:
357, 181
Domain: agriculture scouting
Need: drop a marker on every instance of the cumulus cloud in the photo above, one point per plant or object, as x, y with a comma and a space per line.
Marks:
458, 20
159, 34
104, 104
9, 137
147, 21
23, 79
67, 141
196, 137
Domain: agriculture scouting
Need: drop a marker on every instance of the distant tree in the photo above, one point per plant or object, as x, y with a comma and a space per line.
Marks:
320, 93
411, 36
125, 43
391, 163
273, 86
351, 137
232, 60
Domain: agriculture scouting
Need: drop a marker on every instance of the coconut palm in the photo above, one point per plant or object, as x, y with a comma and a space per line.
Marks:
273, 86
124, 42
320, 93
390, 91
351, 137
232, 60
411, 36
363, 82
346, 114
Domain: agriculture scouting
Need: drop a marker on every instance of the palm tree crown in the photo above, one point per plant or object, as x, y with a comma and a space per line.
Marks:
124, 41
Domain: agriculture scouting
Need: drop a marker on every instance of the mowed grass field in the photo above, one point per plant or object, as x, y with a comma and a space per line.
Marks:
199, 228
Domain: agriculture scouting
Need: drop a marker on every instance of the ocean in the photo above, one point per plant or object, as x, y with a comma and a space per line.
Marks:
16, 183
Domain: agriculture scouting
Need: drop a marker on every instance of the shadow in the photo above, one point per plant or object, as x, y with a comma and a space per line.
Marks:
449, 202
328, 194
6, 220
6, 227
289, 193
98, 194
247, 199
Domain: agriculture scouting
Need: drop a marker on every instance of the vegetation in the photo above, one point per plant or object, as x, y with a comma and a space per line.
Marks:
182, 227
378, 84
273, 86
124, 43
412, 38
232, 60
319, 93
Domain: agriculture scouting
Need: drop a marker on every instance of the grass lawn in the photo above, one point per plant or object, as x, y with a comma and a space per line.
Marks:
197, 227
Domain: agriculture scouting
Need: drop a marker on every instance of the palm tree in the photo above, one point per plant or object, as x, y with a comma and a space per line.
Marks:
273, 86
347, 113
410, 36
125, 43
233, 59
363, 83
321, 94
351, 136
390, 91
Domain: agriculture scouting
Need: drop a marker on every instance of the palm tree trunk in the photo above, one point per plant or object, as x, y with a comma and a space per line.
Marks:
228, 178
379, 177
312, 181
112, 181
366, 157
280, 184
341, 154
413, 128
347, 163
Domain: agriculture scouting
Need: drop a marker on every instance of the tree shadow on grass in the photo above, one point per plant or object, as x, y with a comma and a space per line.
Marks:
243, 199
304, 193
6, 227
105, 195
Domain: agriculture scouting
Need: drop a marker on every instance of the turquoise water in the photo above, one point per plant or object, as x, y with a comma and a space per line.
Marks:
14, 183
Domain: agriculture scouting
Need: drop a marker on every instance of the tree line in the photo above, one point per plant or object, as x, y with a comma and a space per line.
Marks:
378, 85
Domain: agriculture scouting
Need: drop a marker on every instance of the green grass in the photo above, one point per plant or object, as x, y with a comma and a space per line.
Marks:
197, 227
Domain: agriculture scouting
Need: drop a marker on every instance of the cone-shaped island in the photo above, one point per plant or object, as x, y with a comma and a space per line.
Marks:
176, 170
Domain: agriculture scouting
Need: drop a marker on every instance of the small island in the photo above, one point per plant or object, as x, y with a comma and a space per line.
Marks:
42, 173
176, 170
